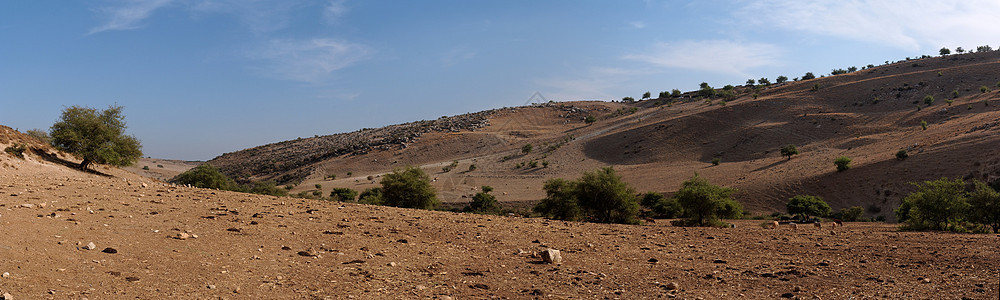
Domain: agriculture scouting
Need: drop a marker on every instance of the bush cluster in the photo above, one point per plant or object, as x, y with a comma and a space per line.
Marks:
17, 150
945, 204
599, 196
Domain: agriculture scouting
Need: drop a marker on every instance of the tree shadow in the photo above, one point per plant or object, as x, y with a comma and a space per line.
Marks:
771, 165
53, 158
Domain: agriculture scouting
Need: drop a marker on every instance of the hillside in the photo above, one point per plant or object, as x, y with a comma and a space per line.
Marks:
867, 115
111, 234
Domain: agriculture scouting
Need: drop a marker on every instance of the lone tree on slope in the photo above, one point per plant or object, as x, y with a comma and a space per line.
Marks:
97, 137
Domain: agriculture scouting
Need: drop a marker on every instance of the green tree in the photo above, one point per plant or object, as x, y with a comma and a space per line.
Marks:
843, 163
343, 194
205, 176
647, 95
675, 93
901, 154
560, 201
706, 90
809, 75
526, 148
929, 100
705, 203
944, 51
934, 205
604, 196
751, 82
660, 206
807, 206
484, 203
789, 150
97, 137
371, 196
852, 214
959, 50
781, 79
764, 81
40, 135
409, 187
984, 206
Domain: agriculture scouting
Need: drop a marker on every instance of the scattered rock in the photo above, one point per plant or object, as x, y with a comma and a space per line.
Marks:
110, 250
27, 205
90, 246
392, 264
6, 296
552, 256
182, 236
421, 287
672, 286
308, 252
131, 279
5, 275
211, 286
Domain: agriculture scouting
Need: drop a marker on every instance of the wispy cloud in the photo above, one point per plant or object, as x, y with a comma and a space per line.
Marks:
904, 24
334, 10
592, 84
719, 56
637, 24
127, 15
260, 16
312, 60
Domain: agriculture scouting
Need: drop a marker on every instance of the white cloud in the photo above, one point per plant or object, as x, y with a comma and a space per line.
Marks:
717, 56
260, 16
334, 10
904, 24
128, 15
638, 24
311, 60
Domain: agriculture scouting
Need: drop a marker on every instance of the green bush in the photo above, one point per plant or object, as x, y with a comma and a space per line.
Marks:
371, 196
954, 94
984, 89
807, 206
545, 164
929, 100
484, 203
600, 196
675, 93
318, 186
815, 87
647, 95
852, 214
984, 205
526, 148
206, 176
716, 161
532, 164
145, 168
843, 163
589, 119
472, 167
809, 75
264, 188
935, 205
706, 90
661, 207
944, 51
343, 194
560, 201
97, 137
409, 187
40, 135
450, 167
901, 154
17, 150
789, 150
704, 203
923, 125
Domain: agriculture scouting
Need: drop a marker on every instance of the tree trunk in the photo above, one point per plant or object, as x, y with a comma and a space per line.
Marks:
84, 164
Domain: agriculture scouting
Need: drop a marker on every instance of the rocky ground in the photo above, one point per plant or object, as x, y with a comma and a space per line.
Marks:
74, 235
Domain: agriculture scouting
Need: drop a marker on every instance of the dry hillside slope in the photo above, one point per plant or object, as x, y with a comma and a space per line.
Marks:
655, 144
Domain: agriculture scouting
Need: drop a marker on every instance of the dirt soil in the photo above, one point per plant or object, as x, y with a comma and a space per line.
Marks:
153, 240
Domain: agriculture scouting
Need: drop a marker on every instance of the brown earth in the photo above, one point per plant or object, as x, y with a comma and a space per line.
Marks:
153, 240
866, 115
161, 169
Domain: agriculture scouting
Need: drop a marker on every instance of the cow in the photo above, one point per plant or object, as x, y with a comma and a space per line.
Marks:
839, 222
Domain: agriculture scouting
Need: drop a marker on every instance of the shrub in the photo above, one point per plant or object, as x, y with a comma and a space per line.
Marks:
852, 214
532, 164
545, 164
984, 205
984, 89
843, 163
317, 193
450, 166
706, 90
807, 206
944, 51
205, 176
949, 101
647, 95
289, 187
809, 75
789, 150
145, 168
264, 188
409, 187
628, 99
934, 205
923, 125
319, 186
16, 150
764, 81
343, 194
838, 72
159, 166
751, 82
998, 84
781, 79
728, 87
526, 148
589, 119
815, 87
705, 203
472, 167
901, 154
716, 161
664, 94
40, 135
600, 196
929, 100
660, 207
560, 202
675, 93
97, 137
484, 203
371, 196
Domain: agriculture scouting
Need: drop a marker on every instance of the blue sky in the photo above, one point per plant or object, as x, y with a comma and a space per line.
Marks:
202, 77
